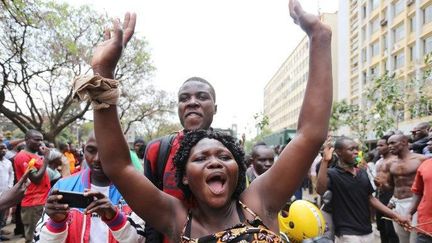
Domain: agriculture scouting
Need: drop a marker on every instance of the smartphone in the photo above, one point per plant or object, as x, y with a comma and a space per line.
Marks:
75, 199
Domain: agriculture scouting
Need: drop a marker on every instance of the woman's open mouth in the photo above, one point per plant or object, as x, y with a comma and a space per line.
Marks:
216, 183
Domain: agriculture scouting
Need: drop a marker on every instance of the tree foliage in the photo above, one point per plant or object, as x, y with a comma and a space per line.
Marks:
45, 44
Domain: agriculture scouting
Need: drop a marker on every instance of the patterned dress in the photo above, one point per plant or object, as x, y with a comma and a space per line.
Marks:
251, 231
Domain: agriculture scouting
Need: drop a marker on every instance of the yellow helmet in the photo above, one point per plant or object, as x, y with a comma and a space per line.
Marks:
303, 221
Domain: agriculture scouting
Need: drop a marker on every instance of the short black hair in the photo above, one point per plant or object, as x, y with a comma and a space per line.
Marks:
340, 142
190, 140
256, 145
31, 132
201, 80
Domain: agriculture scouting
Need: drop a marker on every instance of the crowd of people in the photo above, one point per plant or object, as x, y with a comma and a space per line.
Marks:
197, 185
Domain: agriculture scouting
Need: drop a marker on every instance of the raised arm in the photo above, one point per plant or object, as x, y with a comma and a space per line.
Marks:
152, 205
277, 185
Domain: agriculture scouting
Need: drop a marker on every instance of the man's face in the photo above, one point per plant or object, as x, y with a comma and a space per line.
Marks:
3, 150
382, 147
91, 156
348, 153
196, 105
263, 159
396, 144
419, 132
34, 141
137, 146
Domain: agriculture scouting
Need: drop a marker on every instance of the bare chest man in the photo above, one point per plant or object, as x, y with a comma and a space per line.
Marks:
403, 171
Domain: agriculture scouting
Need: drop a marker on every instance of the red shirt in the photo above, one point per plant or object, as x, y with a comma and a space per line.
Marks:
169, 180
422, 186
36, 194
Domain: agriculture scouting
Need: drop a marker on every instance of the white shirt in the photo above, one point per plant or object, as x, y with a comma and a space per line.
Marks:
6, 175
98, 228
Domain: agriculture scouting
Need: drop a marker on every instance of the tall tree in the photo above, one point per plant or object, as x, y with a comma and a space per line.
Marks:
45, 44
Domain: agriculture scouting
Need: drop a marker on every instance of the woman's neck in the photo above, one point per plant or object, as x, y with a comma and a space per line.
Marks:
211, 220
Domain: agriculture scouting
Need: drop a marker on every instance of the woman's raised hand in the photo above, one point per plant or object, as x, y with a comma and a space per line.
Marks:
107, 54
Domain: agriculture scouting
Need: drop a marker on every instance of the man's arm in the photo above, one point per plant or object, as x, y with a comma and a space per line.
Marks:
322, 181
15, 194
386, 211
279, 183
36, 177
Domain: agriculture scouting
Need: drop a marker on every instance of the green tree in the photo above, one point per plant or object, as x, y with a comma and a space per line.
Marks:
44, 45
420, 98
385, 97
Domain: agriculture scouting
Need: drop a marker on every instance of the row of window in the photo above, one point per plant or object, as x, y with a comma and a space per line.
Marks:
399, 31
399, 58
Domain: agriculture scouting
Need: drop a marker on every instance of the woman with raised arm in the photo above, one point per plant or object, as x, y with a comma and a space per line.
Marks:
210, 166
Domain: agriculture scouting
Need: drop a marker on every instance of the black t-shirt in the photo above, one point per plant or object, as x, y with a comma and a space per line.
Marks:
350, 201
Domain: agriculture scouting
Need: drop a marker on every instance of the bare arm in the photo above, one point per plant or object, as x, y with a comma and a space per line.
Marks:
414, 203
36, 177
15, 194
277, 185
322, 181
387, 211
155, 207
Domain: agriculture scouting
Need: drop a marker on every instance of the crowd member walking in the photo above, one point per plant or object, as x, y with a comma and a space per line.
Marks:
351, 194
210, 166
37, 192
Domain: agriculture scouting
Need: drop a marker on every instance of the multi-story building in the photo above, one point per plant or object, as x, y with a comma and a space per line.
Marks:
390, 36
283, 94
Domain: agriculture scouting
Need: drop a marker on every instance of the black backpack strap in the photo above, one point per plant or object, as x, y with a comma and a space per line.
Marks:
162, 159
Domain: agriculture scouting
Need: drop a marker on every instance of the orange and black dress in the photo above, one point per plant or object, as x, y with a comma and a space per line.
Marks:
250, 231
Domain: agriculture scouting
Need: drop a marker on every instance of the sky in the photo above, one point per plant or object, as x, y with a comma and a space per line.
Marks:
237, 45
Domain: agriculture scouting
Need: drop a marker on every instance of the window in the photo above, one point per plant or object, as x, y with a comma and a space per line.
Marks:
428, 45
363, 33
364, 11
399, 60
375, 26
364, 77
412, 52
384, 42
375, 49
412, 23
363, 55
427, 13
374, 4
373, 72
399, 33
398, 7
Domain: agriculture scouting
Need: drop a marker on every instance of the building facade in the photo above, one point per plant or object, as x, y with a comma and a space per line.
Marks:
284, 92
387, 36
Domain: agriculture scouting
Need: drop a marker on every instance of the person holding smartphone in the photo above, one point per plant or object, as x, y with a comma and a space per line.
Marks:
105, 218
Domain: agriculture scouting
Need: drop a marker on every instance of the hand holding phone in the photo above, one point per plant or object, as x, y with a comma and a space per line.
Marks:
102, 205
75, 199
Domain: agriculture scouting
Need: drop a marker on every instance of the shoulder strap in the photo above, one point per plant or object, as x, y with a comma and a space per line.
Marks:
164, 151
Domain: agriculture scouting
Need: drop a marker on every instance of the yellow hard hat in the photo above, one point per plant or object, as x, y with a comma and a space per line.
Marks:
303, 221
